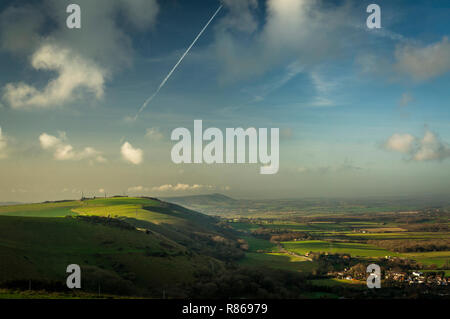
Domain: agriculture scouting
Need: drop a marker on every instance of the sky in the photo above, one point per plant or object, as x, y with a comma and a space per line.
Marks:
361, 112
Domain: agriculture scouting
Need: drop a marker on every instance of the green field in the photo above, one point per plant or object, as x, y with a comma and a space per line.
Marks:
347, 238
143, 209
354, 249
438, 258
60, 209
278, 261
127, 210
257, 244
41, 248
401, 235
333, 282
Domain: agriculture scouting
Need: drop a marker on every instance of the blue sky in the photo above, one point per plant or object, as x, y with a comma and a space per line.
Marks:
361, 112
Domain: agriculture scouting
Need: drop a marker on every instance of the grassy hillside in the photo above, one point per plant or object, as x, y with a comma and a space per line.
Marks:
354, 249
54, 209
131, 246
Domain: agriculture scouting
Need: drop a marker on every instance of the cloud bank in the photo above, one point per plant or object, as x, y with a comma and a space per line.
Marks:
62, 151
73, 71
427, 148
306, 31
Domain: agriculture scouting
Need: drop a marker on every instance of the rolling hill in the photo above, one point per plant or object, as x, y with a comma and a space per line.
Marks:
125, 246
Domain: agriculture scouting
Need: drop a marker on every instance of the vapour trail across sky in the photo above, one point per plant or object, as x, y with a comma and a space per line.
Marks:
147, 102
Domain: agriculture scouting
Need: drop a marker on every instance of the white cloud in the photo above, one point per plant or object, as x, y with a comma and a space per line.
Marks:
423, 62
428, 148
3, 144
49, 141
82, 59
74, 72
163, 188
63, 151
131, 154
105, 33
310, 32
294, 30
431, 148
402, 143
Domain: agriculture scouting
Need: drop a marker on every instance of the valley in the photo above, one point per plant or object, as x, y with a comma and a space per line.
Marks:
152, 248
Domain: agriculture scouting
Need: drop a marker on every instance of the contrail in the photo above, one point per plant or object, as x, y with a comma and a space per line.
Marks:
176, 65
